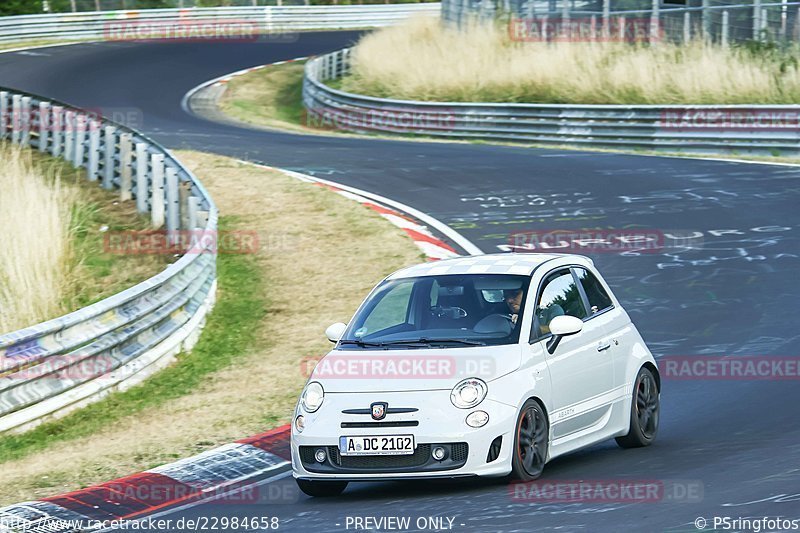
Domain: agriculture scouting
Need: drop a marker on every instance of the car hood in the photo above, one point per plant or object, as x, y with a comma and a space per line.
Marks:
412, 369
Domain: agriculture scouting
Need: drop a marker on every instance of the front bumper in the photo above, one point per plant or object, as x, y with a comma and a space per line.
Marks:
436, 422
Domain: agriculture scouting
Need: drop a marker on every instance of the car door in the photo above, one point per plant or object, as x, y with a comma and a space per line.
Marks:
611, 317
582, 374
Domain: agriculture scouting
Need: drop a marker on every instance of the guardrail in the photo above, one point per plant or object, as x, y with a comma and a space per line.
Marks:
68, 361
243, 22
773, 130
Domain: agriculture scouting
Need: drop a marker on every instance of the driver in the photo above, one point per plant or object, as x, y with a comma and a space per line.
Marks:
513, 299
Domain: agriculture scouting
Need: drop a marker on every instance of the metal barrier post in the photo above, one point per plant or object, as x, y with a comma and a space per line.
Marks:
173, 206
94, 151
687, 27
80, 139
193, 206
109, 153
756, 21
25, 123
157, 191
69, 135
125, 170
141, 177
57, 122
3, 114
44, 125
16, 110
654, 21
725, 26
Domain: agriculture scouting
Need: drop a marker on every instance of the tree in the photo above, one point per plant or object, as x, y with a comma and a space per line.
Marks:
20, 7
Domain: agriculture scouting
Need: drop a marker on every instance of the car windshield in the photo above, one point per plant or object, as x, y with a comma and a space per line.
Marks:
442, 311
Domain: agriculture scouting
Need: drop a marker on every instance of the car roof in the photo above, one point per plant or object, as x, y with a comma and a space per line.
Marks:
502, 263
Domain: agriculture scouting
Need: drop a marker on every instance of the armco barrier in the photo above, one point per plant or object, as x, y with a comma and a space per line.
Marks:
767, 129
266, 19
68, 361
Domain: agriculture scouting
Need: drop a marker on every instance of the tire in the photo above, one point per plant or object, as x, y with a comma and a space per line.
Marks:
321, 489
645, 408
531, 442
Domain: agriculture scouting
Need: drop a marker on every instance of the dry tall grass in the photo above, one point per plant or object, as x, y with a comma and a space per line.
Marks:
35, 240
420, 60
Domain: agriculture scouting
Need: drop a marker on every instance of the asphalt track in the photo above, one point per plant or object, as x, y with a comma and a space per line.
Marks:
739, 441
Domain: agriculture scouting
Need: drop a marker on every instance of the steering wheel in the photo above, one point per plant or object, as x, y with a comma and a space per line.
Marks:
453, 313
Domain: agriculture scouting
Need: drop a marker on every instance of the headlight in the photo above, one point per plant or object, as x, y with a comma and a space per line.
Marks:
312, 397
468, 393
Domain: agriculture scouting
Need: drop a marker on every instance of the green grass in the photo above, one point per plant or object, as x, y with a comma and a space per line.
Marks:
230, 330
269, 97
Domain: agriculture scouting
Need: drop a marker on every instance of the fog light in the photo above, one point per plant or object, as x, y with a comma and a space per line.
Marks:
299, 424
439, 453
477, 419
319, 455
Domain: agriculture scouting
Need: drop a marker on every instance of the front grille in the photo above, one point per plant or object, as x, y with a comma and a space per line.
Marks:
307, 454
459, 452
418, 458
419, 461
386, 424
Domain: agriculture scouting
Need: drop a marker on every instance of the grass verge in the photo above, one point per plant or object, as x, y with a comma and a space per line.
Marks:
244, 375
270, 97
420, 60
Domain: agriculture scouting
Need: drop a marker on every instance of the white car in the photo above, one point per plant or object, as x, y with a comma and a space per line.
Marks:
485, 365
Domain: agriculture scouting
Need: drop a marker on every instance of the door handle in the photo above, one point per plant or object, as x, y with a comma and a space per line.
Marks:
603, 345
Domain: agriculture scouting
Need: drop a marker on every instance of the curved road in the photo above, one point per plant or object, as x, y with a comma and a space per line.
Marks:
734, 444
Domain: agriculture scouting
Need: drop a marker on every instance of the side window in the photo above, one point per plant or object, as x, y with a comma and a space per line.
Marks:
597, 295
559, 296
392, 310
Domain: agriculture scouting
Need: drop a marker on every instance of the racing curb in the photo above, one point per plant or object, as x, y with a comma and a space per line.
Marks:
208, 474
213, 472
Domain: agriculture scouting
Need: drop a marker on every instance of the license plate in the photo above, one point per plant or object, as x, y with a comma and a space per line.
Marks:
380, 445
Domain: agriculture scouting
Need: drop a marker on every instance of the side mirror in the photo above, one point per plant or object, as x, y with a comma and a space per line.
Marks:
335, 331
560, 327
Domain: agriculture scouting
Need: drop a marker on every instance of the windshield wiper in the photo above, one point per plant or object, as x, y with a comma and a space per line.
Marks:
427, 341
361, 343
